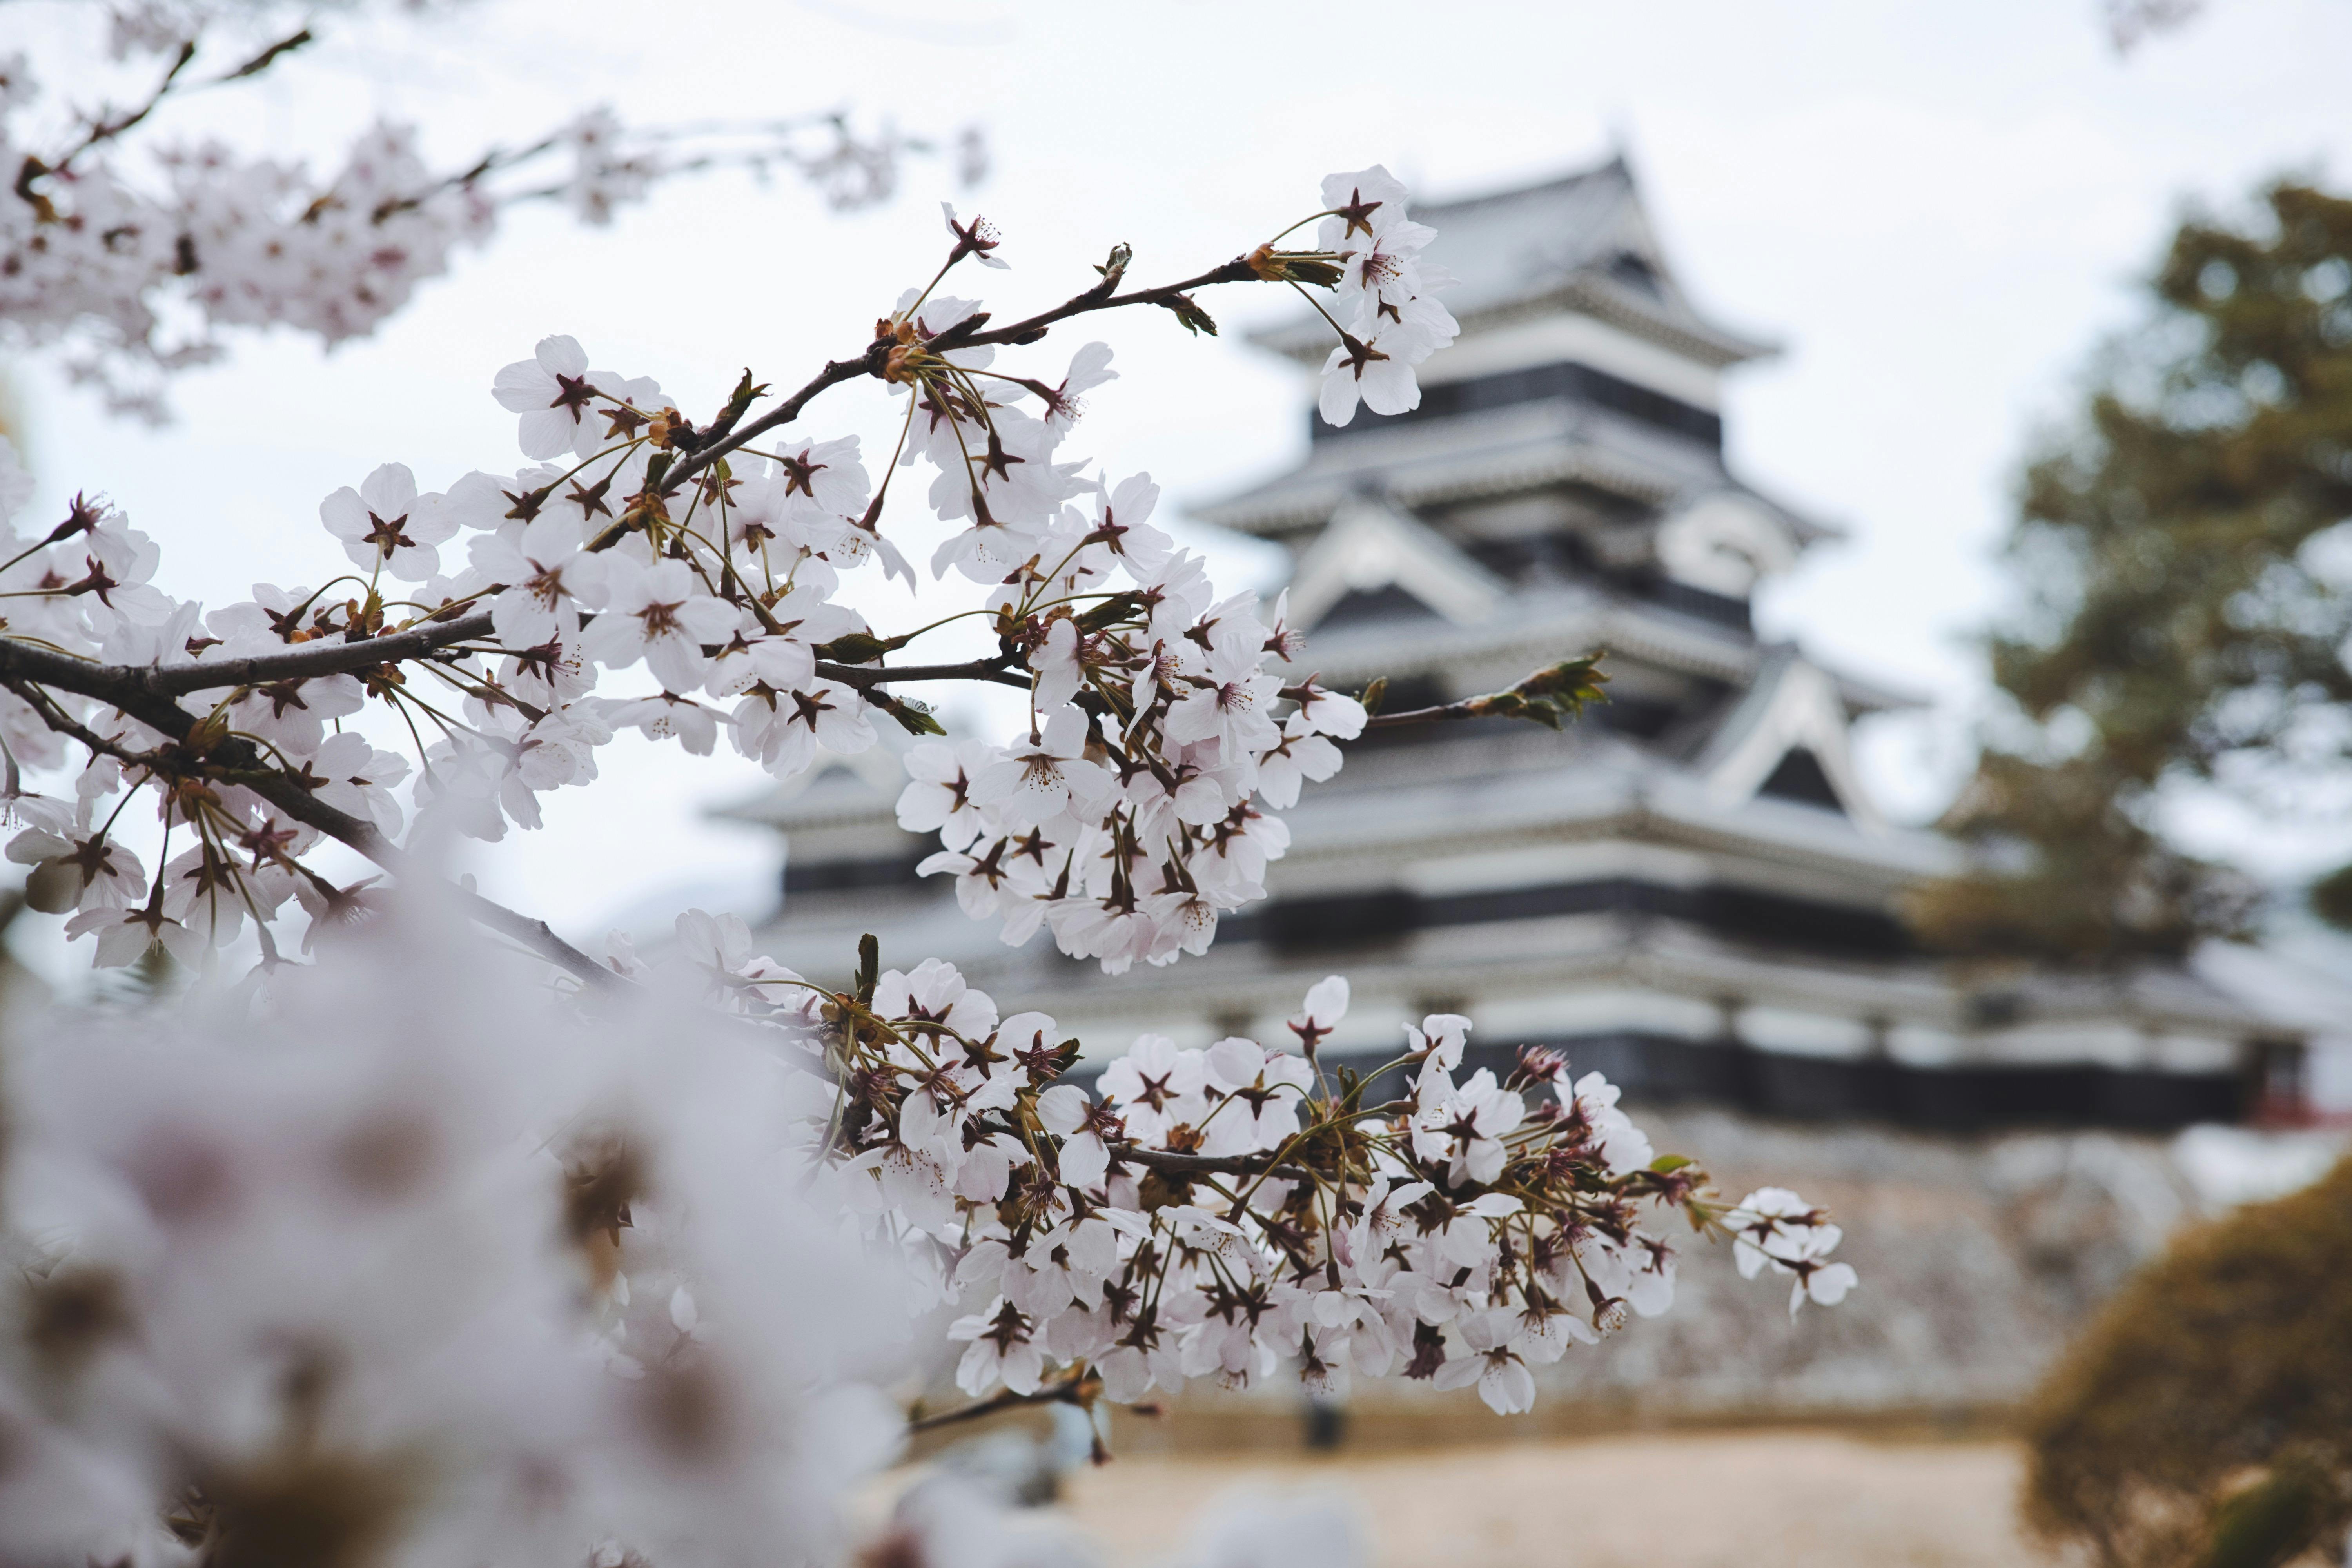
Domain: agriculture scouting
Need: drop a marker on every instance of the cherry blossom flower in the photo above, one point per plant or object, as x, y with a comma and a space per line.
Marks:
1775, 1227
938, 796
352, 775
659, 613
667, 716
71, 872
1061, 668
1375, 368
293, 714
1466, 1126
1158, 1087
1330, 714
1045, 777
1327, 1004
124, 936
545, 574
384, 522
1492, 1363
1004, 1349
1232, 706
1625, 1146
977, 238
784, 730
1363, 202
1090, 368
1265, 1088
552, 392
1085, 1157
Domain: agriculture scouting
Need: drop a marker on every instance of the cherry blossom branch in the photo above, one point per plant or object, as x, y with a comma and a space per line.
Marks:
209, 753
103, 245
104, 130
963, 335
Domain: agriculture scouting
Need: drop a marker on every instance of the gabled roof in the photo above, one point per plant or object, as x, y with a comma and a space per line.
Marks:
1791, 705
1582, 242
1370, 544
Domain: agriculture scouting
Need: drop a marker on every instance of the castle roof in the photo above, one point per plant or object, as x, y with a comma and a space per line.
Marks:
1581, 242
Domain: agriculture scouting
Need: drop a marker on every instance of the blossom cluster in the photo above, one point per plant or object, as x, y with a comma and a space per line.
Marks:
363, 1272
1235, 1212
1392, 320
136, 276
1136, 806
1128, 824
309, 1250
427, 1265
447, 1272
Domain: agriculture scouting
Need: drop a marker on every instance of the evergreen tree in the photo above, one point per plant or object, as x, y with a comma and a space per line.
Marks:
2187, 568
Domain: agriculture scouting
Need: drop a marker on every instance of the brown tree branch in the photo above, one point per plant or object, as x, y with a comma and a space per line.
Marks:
835, 373
305, 661
1076, 1391
863, 676
1174, 1165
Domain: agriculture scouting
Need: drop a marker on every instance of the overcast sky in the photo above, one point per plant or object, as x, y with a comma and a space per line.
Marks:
1937, 209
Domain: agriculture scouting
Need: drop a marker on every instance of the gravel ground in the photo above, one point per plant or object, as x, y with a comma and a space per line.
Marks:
1742, 1500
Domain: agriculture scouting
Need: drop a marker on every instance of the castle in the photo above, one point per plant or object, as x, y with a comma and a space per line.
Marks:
1690, 890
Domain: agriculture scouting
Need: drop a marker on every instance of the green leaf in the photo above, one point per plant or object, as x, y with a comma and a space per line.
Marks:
1666, 1164
1375, 693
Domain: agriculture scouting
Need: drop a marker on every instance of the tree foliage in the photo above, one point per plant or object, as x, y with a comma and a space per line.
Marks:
2206, 1416
2184, 556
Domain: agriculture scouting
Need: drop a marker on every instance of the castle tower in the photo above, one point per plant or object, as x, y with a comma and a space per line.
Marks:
1689, 890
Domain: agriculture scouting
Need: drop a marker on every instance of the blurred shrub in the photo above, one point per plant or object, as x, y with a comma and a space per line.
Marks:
2204, 1419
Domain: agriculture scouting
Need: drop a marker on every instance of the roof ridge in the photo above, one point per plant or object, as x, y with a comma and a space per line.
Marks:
1614, 164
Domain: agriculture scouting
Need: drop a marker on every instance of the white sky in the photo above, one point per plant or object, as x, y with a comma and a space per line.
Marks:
1937, 208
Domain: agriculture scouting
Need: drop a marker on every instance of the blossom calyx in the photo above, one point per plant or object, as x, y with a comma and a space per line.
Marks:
1272, 266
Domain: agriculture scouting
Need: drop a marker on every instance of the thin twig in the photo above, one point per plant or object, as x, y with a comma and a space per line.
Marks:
1073, 1390
1099, 297
835, 373
1444, 712
963, 335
